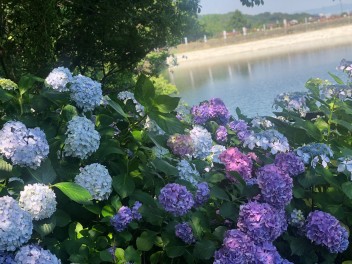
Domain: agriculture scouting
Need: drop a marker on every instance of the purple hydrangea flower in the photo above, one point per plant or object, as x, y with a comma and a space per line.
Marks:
135, 214
221, 134
200, 113
289, 163
185, 233
241, 128
176, 199
202, 194
235, 160
181, 145
121, 220
324, 229
261, 221
214, 109
238, 242
276, 186
268, 254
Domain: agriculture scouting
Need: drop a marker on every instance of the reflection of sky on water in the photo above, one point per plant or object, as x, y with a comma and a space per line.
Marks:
252, 85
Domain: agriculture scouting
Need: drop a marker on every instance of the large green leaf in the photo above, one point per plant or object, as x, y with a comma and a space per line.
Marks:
167, 122
45, 173
75, 192
204, 249
123, 185
144, 91
45, 227
146, 240
347, 189
5, 169
69, 111
5, 96
27, 81
165, 167
165, 103
115, 106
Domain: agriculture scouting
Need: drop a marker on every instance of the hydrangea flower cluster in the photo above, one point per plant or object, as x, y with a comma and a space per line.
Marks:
151, 126
181, 145
324, 229
202, 194
261, 222
235, 160
185, 233
86, 93
289, 163
159, 152
39, 200
24, 147
35, 254
275, 185
295, 102
202, 142
183, 112
59, 78
82, 138
267, 253
215, 151
315, 152
296, 218
176, 199
340, 91
241, 128
7, 84
346, 66
125, 216
345, 163
268, 139
221, 134
261, 122
96, 179
7, 258
15, 225
126, 95
213, 109
187, 172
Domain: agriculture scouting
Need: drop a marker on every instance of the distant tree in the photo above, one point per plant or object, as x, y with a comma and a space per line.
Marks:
238, 21
251, 3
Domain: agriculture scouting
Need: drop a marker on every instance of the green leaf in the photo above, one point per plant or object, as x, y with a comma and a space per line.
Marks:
165, 167
75, 192
159, 140
108, 211
165, 103
5, 96
219, 193
115, 106
347, 189
123, 185
299, 246
45, 227
27, 81
215, 177
157, 257
228, 210
45, 173
167, 122
144, 91
69, 111
204, 249
146, 240
62, 218
132, 255
120, 254
5, 169
336, 78
106, 256
175, 249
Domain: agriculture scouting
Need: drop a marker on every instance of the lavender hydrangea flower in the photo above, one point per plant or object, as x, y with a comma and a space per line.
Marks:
296, 218
185, 233
221, 134
235, 160
39, 200
315, 152
82, 138
59, 78
176, 199
25, 147
295, 102
135, 213
268, 139
181, 145
241, 128
340, 91
202, 194
261, 222
289, 163
261, 122
35, 254
122, 219
187, 172
346, 66
276, 186
96, 179
15, 225
213, 109
86, 93
324, 229
268, 254
202, 142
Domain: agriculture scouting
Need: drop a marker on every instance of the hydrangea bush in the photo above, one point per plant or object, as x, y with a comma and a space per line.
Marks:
127, 178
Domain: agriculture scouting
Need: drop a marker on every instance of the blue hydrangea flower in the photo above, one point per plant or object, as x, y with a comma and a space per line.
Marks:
7, 258
221, 134
121, 220
215, 151
296, 218
187, 172
176, 199
39, 200
315, 152
135, 213
82, 138
295, 102
289, 163
86, 93
268, 139
276, 186
185, 233
15, 225
96, 179
324, 229
33, 254
202, 142
261, 122
59, 78
340, 91
202, 194
261, 222
346, 66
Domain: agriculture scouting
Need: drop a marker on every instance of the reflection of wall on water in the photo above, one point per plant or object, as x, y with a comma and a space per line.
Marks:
192, 79
210, 75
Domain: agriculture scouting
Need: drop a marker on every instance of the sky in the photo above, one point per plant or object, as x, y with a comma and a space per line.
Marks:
285, 6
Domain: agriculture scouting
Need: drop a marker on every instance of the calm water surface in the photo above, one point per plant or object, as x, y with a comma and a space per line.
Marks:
252, 85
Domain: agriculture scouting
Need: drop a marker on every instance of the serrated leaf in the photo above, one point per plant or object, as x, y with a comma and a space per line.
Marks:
75, 192
204, 249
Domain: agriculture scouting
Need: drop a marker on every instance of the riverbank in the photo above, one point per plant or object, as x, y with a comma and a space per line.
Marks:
270, 47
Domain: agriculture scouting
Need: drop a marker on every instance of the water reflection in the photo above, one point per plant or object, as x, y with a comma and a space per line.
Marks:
252, 85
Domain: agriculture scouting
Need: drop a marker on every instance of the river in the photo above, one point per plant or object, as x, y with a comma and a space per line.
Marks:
252, 85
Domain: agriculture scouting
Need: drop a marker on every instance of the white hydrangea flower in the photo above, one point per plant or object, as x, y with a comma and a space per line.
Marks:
202, 141
7, 84
126, 95
97, 180
82, 138
25, 147
39, 200
159, 152
187, 172
216, 150
59, 78
86, 93
151, 126
15, 225
32, 254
